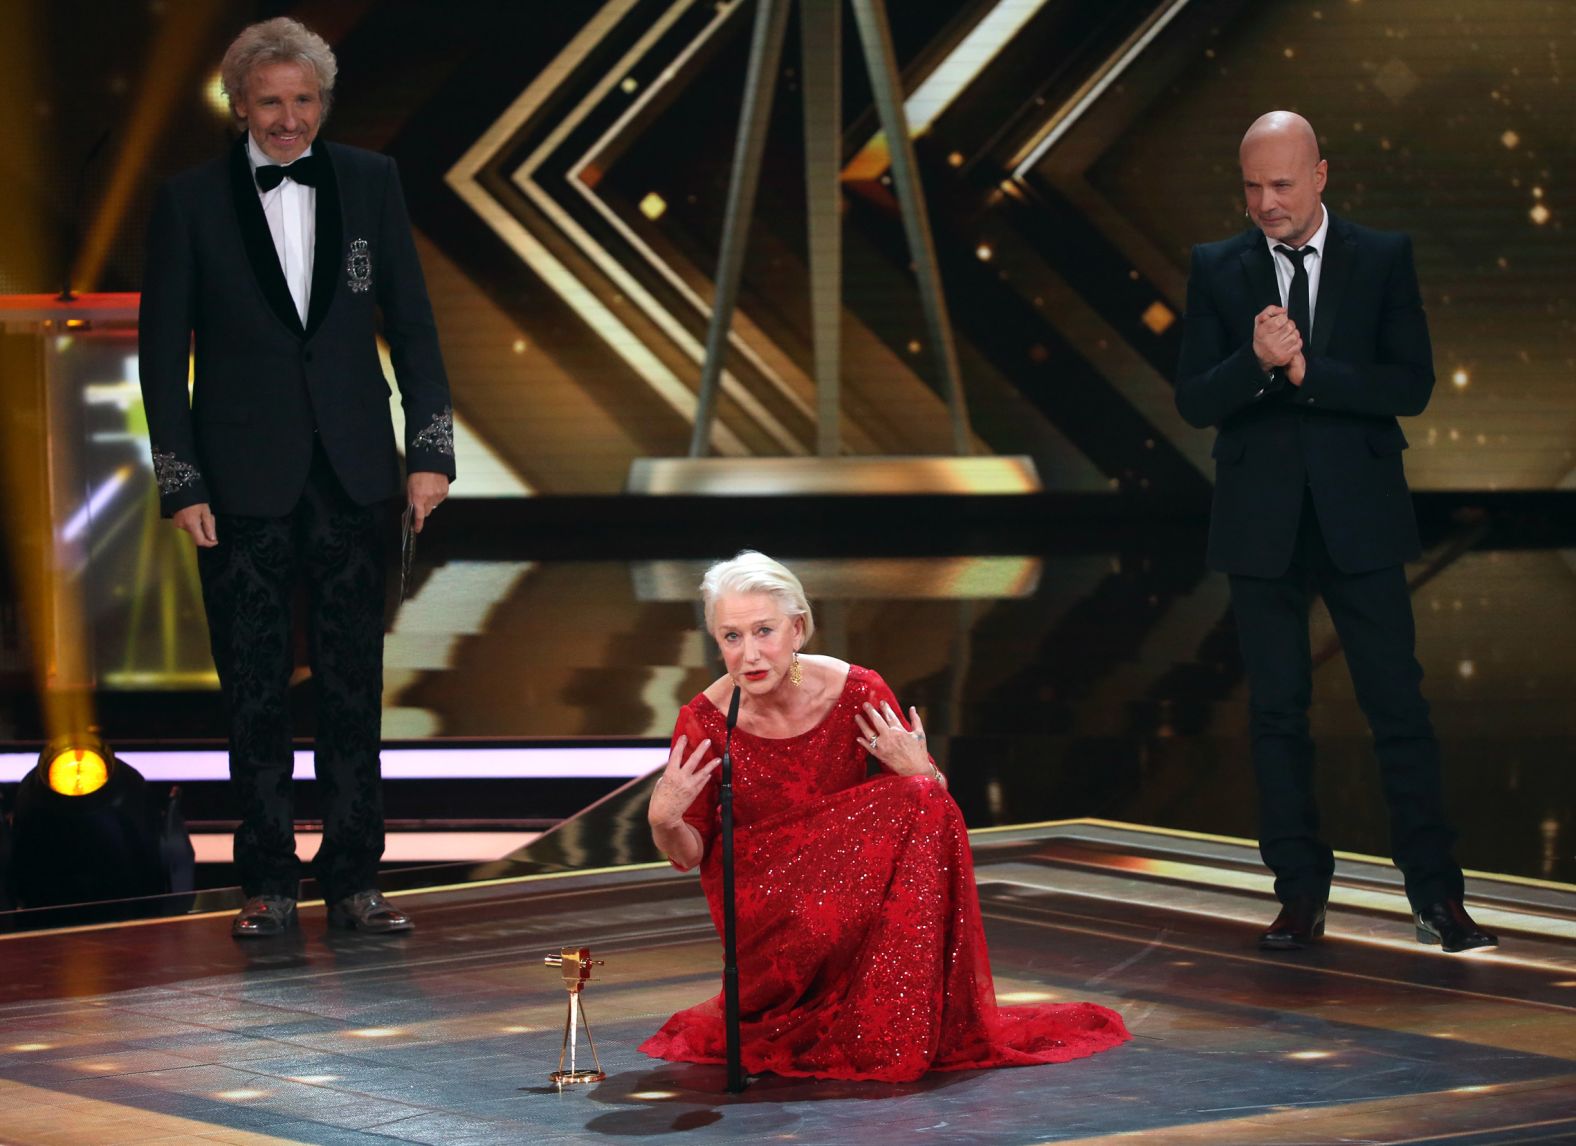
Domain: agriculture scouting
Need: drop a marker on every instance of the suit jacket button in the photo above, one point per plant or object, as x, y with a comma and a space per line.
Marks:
307, 357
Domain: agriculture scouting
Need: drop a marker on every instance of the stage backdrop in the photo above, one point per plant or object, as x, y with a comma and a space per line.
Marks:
566, 166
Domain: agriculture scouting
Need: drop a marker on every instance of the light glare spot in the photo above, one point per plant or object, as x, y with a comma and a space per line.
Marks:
1158, 317
213, 95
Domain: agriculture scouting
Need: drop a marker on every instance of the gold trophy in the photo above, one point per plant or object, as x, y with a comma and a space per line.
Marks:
576, 964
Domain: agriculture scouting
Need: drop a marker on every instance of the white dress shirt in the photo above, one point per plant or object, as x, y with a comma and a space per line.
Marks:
291, 211
1313, 261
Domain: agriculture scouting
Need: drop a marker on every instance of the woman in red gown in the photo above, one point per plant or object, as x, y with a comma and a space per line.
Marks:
861, 951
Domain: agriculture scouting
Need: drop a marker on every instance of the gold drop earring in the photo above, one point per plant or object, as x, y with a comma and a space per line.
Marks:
795, 671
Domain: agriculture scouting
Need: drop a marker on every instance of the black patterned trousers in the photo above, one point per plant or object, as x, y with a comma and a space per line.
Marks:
249, 583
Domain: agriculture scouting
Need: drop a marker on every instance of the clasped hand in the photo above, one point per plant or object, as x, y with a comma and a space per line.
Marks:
1278, 342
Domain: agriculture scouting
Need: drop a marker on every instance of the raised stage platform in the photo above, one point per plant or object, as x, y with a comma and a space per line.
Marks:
168, 1031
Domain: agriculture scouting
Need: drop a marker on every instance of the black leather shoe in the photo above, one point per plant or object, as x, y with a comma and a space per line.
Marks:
264, 915
368, 911
1299, 923
1448, 924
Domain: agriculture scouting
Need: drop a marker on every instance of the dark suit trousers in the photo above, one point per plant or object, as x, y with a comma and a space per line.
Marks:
249, 584
1372, 612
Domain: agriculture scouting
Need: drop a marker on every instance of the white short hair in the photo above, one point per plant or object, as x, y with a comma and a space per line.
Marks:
277, 41
752, 572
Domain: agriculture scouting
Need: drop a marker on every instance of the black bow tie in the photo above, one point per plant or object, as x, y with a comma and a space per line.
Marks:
304, 171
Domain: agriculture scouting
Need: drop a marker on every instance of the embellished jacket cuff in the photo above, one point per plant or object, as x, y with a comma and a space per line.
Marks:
180, 483
430, 448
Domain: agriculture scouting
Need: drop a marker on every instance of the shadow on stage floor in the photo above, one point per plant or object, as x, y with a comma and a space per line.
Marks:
168, 1030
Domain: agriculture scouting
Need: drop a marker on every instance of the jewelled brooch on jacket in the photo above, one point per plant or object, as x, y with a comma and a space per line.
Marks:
358, 266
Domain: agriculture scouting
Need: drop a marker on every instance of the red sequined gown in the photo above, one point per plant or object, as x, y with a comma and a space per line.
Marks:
861, 952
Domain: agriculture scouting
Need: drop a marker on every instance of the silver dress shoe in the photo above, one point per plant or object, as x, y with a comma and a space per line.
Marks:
368, 911
264, 915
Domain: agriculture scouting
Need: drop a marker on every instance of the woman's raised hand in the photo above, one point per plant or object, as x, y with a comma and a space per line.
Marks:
681, 782
892, 744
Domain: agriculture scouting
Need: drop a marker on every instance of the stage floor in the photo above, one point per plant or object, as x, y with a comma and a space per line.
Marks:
166, 1030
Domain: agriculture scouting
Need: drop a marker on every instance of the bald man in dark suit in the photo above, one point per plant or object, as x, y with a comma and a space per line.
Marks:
1305, 340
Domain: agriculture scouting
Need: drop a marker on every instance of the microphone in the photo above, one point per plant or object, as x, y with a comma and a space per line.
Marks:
733, 709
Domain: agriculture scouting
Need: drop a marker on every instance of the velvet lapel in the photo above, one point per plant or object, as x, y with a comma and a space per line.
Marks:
330, 235
258, 242
1263, 290
1340, 257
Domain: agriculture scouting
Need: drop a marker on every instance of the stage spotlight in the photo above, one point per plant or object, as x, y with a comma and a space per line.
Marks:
87, 828
77, 771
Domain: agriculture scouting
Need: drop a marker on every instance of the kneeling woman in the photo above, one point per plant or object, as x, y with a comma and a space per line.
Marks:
861, 952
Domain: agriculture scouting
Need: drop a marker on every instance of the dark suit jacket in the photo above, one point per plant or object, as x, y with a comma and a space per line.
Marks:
1369, 361
263, 383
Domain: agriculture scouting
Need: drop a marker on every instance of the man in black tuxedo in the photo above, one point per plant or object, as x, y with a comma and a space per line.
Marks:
1305, 339
282, 465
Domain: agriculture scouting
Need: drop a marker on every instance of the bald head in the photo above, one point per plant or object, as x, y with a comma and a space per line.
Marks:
1282, 128
1283, 177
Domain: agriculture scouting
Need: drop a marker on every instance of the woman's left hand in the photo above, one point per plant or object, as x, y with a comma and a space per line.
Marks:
892, 744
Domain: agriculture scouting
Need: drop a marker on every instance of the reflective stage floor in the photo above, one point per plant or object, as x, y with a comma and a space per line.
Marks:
166, 1030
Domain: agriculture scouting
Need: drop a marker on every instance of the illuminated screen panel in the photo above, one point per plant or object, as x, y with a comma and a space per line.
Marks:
447, 763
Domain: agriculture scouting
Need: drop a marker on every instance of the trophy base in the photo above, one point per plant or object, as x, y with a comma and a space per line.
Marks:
572, 1077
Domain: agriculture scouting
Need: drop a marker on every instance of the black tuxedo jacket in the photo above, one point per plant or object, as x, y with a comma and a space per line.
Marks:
263, 383
1368, 361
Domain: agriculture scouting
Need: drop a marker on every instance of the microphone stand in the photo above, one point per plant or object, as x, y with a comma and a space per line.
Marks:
74, 224
730, 944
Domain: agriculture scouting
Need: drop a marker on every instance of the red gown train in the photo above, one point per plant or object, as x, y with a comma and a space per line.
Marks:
861, 951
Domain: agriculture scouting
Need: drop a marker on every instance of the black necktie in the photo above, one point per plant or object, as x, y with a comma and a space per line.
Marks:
304, 171
1297, 297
